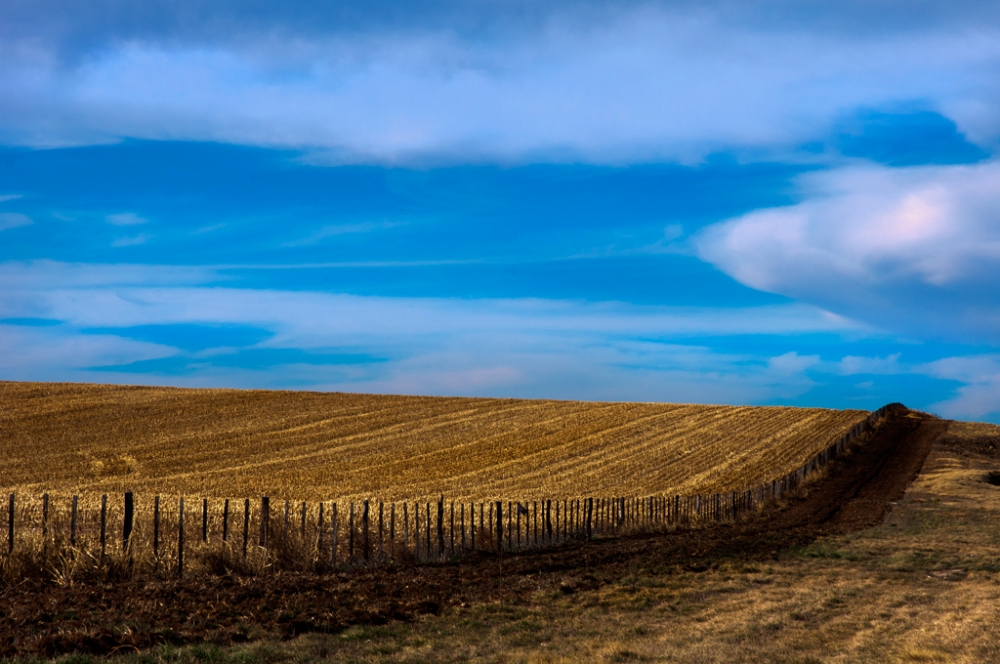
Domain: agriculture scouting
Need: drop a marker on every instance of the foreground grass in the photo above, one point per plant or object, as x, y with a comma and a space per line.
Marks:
923, 587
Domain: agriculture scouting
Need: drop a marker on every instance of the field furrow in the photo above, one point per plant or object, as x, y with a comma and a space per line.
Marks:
89, 439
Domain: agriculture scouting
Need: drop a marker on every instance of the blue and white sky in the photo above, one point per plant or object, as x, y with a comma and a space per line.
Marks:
789, 203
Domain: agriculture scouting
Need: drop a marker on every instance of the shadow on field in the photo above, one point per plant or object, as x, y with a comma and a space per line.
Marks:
46, 620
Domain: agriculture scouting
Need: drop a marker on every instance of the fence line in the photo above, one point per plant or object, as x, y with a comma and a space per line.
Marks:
436, 532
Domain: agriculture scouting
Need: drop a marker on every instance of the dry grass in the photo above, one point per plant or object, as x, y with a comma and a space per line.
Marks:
923, 587
91, 439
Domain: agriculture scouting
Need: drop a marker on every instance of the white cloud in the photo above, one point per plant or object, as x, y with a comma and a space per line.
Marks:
32, 353
126, 219
792, 363
9, 197
523, 347
979, 396
131, 241
911, 250
13, 220
644, 84
334, 230
852, 365
40, 276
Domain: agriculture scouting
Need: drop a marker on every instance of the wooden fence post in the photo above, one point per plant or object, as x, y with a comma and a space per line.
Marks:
461, 525
104, 523
10, 525
427, 530
406, 525
72, 521
590, 516
180, 539
246, 526
45, 515
440, 529
499, 533
129, 520
319, 535
305, 511
451, 531
225, 521
288, 511
416, 531
204, 520
350, 535
265, 516
381, 536
364, 529
156, 525
336, 530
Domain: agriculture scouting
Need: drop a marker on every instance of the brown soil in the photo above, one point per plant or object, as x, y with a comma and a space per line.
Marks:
48, 620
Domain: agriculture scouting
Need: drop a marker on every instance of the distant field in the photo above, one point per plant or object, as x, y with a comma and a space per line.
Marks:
316, 446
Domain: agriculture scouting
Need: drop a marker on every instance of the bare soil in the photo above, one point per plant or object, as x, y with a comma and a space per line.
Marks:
42, 619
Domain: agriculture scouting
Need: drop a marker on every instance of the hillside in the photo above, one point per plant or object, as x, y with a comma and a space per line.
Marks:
304, 445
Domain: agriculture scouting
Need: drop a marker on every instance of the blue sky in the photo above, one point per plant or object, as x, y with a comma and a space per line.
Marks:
701, 202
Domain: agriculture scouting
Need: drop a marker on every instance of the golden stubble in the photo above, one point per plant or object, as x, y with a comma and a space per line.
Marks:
92, 439
922, 587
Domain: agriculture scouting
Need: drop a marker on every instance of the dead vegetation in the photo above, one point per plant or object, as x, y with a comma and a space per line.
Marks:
924, 586
93, 439
374, 604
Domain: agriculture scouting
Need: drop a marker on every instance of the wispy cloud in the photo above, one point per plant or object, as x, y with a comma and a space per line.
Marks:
139, 324
9, 197
13, 220
517, 347
40, 276
126, 219
334, 230
131, 241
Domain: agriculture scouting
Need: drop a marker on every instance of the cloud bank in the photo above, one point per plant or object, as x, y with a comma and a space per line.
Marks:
57, 326
914, 250
646, 82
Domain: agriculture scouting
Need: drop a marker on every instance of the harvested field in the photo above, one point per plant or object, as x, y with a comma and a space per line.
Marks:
794, 584
89, 439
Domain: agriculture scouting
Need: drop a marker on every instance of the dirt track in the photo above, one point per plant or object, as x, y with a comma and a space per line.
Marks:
50, 620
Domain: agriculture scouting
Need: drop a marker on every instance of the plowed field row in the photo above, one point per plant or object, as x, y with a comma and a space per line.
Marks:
315, 446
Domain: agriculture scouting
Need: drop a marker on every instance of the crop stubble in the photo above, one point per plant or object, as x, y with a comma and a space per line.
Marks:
88, 439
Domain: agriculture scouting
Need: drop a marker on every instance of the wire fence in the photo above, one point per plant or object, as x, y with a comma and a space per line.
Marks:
121, 534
